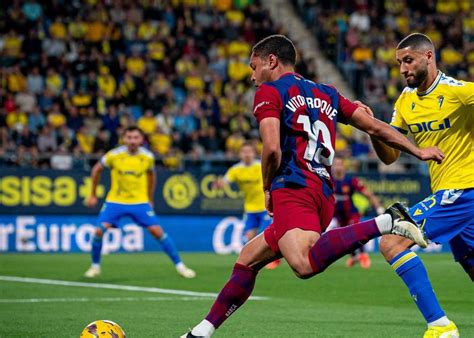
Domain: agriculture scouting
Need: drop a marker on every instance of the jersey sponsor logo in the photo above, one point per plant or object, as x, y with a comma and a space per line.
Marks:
324, 106
130, 173
433, 125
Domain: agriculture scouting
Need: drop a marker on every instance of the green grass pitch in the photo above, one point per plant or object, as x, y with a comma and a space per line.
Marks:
340, 302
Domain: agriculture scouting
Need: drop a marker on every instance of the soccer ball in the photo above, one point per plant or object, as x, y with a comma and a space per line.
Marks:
103, 328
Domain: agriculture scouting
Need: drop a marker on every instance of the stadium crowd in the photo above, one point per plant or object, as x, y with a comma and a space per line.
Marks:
360, 37
73, 74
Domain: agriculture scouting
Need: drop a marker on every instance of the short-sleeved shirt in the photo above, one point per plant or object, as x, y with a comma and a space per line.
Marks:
249, 180
442, 116
129, 184
308, 113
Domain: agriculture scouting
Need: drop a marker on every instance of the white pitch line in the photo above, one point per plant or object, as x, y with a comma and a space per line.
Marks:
97, 299
115, 287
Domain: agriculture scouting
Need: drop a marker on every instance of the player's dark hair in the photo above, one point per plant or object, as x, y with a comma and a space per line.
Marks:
133, 128
248, 144
278, 45
416, 41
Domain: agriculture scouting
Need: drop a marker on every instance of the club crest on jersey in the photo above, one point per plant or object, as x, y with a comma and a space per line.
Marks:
440, 100
412, 105
433, 125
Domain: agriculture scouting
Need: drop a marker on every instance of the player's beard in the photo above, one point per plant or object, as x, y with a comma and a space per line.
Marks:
132, 148
418, 78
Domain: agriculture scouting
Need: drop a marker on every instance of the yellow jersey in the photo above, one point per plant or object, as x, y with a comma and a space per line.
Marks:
128, 175
442, 116
249, 180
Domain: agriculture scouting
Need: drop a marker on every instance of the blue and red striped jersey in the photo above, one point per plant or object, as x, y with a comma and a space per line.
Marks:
308, 113
344, 189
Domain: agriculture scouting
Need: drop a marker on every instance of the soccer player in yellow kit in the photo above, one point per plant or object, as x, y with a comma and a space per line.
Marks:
436, 110
132, 172
247, 174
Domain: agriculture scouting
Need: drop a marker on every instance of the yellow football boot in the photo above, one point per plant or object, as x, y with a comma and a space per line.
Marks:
449, 331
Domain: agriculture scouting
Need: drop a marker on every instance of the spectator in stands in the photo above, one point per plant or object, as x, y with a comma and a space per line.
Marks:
47, 142
106, 64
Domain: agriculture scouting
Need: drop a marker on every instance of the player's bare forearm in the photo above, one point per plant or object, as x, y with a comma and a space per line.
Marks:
386, 154
383, 132
270, 163
271, 152
374, 201
95, 176
151, 178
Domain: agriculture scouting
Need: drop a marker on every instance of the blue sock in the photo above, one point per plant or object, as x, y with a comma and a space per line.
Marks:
96, 249
409, 267
170, 248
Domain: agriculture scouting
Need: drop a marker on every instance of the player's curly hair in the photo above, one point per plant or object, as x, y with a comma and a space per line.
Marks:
278, 45
416, 41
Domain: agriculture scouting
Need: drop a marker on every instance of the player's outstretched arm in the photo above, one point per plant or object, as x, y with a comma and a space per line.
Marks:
383, 132
386, 154
151, 181
374, 201
95, 176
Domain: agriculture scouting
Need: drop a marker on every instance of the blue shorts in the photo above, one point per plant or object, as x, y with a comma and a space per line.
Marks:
256, 220
142, 214
448, 216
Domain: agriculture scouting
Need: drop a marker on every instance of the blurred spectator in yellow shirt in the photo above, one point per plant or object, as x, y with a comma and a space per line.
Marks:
147, 30
173, 159
95, 31
106, 83
156, 49
16, 80
238, 48
450, 56
135, 64
362, 53
147, 122
160, 142
57, 30
17, 120
85, 140
54, 81
184, 65
193, 82
233, 143
12, 44
239, 123
55, 118
81, 99
238, 70
77, 28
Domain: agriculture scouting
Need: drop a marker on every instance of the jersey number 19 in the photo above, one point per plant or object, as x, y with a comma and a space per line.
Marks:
313, 152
